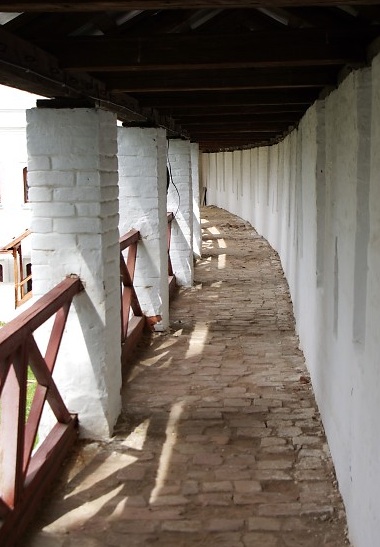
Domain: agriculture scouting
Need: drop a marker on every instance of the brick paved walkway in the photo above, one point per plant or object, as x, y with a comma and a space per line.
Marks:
219, 443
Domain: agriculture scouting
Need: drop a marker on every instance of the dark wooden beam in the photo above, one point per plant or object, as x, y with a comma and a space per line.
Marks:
27, 67
123, 5
226, 119
299, 47
197, 80
233, 128
191, 112
206, 100
243, 138
239, 132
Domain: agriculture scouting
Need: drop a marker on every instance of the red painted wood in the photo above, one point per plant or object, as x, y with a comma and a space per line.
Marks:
23, 477
169, 237
46, 390
44, 468
31, 426
56, 335
129, 300
130, 237
131, 260
135, 331
13, 334
126, 306
13, 403
4, 368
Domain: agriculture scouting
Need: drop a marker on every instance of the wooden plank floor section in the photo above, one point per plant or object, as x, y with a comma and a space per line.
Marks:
219, 442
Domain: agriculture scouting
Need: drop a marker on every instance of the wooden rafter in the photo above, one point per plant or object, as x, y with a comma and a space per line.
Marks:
300, 47
303, 97
233, 79
123, 5
255, 66
32, 69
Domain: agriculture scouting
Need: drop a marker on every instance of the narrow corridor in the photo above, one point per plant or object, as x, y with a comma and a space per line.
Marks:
219, 442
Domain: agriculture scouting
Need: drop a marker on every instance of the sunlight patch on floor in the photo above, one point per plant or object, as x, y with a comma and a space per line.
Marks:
136, 439
197, 340
167, 449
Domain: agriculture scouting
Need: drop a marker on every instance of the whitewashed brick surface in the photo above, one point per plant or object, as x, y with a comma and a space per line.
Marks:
182, 226
142, 181
73, 182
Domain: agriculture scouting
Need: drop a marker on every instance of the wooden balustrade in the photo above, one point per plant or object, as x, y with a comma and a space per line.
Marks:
22, 279
171, 276
26, 472
132, 319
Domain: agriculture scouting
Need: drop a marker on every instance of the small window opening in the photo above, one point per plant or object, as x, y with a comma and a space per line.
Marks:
26, 187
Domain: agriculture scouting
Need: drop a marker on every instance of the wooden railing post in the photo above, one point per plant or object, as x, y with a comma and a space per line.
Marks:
171, 276
132, 317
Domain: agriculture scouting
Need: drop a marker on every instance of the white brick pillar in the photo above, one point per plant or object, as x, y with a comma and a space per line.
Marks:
180, 202
72, 173
197, 232
142, 183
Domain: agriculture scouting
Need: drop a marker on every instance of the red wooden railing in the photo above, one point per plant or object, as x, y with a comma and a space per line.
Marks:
25, 473
132, 318
22, 280
171, 276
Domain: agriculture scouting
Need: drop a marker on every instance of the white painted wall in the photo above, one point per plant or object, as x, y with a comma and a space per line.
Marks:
316, 198
15, 214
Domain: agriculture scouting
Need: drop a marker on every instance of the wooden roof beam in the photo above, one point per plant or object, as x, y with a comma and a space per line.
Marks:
123, 5
232, 128
299, 47
217, 111
31, 69
226, 119
304, 97
157, 81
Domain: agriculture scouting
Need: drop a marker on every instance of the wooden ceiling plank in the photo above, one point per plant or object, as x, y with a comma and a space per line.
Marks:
299, 47
27, 67
240, 128
165, 21
158, 81
243, 98
188, 121
47, 25
241, 119
191, 112
122, 5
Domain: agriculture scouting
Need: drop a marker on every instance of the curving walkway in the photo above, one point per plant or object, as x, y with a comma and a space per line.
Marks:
219, 443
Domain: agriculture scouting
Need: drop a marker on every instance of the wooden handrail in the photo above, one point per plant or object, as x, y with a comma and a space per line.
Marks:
12, 334
15, 242
129, 238
20, 282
